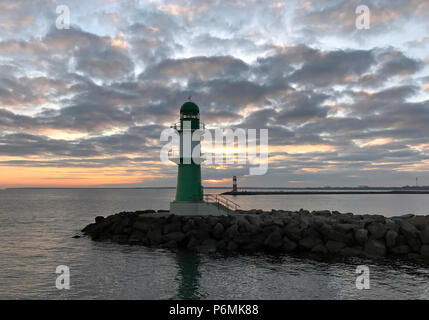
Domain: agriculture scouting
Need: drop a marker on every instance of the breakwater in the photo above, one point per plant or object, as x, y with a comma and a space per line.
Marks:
322, 233
309, 192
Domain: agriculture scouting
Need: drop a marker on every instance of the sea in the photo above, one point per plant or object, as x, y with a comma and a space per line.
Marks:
37, 227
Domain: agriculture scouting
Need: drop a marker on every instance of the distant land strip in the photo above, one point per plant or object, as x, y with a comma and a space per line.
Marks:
251, 193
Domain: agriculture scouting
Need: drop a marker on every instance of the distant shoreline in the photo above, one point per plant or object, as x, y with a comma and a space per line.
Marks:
252, 193
272, 190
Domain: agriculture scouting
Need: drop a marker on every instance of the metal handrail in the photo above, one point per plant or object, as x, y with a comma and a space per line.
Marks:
220, 200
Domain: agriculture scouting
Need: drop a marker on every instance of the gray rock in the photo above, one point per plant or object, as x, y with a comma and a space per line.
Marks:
274, 240
420, 222
424, 251
329, 233
254, 219
174, 226
232, 231
324, 213
351, 251
414, 244
176, 236
193, 243
142, 226
319, 249
406, 216
344, 227
391, 224
402, 249
408, 229
288, 245
120, 238
136, 237
232, 246
293, 230
424, 236
208, 246
242, 223
361, 236
376, 230
170, 244
375, 248
334, 246
98, 219
218, 230
154, 236
391, 238
309, 242
414, 256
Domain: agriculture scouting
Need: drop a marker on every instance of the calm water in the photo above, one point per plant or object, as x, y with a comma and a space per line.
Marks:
37, 225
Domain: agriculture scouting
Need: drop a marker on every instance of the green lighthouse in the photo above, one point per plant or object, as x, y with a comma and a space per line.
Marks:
189, 186
190, 199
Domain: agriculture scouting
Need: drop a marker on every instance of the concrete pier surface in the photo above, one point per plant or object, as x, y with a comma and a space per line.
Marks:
320, 233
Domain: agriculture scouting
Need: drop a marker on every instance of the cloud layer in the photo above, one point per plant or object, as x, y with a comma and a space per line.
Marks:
86, 105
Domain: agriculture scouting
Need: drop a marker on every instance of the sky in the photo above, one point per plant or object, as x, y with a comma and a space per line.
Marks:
85, 106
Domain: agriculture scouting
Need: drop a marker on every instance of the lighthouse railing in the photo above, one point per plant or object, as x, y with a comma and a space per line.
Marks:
221, 201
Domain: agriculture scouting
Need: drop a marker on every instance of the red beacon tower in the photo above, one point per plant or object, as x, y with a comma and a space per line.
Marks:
234, 184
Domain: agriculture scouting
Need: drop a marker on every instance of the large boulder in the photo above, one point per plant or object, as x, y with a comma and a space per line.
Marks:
334, 246
420, 222
254, 219
323, 213
414, 244
424, 251
136, 237
351, 251
375, 248
361, 236
232, 231
294, 230
344, 227
193, 243
174, 226
319, 249
208, 246
274, 240
217, 231
176, 236
424, 235
141, 225
376, 230
329, 233
408, 229
402, 249
391, 238
288, 244
154, 236
98, 219
310, 241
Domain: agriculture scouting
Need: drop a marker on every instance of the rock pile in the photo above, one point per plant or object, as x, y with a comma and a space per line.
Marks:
317, 232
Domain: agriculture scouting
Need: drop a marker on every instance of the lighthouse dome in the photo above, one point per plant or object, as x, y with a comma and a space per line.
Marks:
189, 108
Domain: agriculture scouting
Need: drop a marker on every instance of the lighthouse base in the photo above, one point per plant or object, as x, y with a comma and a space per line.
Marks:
185, 208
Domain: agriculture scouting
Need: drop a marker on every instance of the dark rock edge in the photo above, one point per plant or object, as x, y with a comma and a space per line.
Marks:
320, 233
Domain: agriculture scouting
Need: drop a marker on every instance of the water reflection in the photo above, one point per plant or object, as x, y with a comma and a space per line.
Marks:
188, 276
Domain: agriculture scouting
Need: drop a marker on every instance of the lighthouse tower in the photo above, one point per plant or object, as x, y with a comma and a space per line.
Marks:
189, 186
189, 191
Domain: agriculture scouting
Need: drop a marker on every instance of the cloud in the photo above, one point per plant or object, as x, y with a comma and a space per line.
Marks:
338, 103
